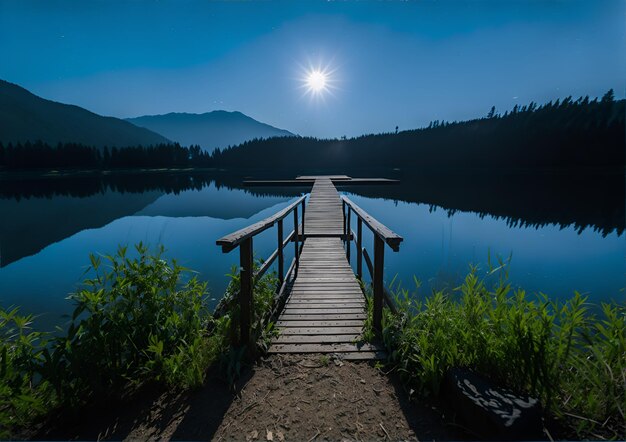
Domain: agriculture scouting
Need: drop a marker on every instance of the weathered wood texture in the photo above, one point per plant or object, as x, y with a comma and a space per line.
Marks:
324, 216
392, 239
229, 242
326, 309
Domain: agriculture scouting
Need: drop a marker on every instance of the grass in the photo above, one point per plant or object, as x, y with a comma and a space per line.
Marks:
137, 320
22, 399
145, 320
570, 358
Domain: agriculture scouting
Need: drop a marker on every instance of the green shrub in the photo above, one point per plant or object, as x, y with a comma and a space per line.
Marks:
562, 353
21, 398
134, 322
137, 320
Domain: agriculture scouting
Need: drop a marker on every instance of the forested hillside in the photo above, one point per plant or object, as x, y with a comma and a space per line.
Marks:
567, 135
571, 133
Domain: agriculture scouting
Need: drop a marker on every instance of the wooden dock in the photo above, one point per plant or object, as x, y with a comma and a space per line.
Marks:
325, 312
324, 212
325, 308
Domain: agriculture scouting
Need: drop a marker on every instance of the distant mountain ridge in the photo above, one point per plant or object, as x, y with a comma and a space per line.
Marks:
27, 117
209, 130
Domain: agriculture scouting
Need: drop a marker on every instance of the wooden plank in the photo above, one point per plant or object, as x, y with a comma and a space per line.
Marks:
327, 290
330, 281
322, 348
329, 298
330, 302
316, 339
312, 293
322, 311
322, 317
335, 307
320, 330
320, 323
326, 299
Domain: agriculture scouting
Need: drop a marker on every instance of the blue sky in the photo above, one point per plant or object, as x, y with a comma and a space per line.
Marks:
398, 63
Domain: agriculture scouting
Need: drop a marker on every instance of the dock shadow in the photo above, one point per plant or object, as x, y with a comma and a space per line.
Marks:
151, 414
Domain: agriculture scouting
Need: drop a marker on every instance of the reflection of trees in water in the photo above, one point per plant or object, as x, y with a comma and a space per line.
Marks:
174, 182
590, 200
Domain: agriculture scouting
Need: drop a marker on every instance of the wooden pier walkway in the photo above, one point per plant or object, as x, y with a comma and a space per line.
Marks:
325, 312
325, 308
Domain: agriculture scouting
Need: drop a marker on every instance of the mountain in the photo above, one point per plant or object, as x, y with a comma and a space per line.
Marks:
209, 130
27, 117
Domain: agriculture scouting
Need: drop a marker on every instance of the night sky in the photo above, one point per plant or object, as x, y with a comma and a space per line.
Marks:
401, 64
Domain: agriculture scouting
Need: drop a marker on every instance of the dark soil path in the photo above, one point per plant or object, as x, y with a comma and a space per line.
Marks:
284, 397
310, 398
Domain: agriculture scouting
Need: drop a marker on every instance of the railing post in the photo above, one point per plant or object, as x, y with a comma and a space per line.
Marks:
303, 201
281, 261
379, 265
245, 293
343, 212
295, 231
359, 248
349, 233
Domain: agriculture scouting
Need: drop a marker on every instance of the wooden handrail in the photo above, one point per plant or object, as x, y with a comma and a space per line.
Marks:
382, 235
229, 242
269, 261
392, 239
388, 299
247, 276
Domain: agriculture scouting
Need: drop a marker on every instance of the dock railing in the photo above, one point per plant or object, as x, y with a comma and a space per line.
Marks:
243, 239
382, 235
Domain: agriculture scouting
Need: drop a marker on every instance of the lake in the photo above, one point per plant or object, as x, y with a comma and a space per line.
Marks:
558, 243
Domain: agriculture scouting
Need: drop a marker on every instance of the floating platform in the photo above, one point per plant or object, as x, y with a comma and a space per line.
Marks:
309, 180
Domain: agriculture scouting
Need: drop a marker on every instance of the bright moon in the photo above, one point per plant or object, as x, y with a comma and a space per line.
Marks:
316, 81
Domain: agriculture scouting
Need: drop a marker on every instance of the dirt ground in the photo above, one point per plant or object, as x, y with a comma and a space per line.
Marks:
313, 398
283, 397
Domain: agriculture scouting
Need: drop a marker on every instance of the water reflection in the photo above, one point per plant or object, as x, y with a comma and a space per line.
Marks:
438, 248
41, 282
48, 228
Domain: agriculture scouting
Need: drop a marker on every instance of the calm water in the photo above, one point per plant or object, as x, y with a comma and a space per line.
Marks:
46, 237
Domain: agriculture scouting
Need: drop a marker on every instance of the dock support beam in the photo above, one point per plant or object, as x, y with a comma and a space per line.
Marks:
359, 248
295, 229
348, 233
245, 295
303, 209
379, 265
281, 259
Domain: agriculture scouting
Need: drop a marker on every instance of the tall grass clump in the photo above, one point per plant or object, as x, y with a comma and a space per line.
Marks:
565, 354
138, 319
22, 398
134, 321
